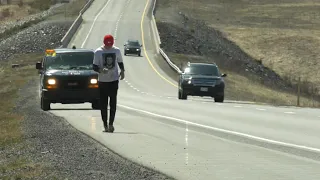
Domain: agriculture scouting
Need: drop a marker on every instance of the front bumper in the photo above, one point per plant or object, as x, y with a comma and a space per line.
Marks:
68, 96
203, 90
132, 51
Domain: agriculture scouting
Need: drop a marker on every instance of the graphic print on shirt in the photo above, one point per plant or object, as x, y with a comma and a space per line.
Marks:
109, 60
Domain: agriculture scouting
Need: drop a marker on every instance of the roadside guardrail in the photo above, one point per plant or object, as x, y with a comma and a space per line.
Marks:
75, 25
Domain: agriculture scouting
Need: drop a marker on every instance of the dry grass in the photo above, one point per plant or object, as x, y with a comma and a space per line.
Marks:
284, 34
13, 12
70, 10
242, 88
11, 81
19, 9
11, 136
27, 170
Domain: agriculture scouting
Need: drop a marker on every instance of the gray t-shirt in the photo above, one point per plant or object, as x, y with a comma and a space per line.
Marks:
108, 59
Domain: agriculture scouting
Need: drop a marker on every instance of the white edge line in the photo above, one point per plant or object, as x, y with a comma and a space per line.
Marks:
289, 112
260, 109
94, 21
224, 130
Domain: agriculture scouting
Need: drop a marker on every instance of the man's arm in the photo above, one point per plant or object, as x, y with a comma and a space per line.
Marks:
121, 65
96, 63
96, 68
120, 61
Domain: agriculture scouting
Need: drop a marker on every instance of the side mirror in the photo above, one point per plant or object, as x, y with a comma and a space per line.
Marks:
224, 75
140, 45
39, 66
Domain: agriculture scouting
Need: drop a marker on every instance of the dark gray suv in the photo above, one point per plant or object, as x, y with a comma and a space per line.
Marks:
201, 79
132, 47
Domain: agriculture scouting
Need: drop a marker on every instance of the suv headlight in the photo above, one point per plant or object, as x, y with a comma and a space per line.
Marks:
188, 80
51, 81
93, 81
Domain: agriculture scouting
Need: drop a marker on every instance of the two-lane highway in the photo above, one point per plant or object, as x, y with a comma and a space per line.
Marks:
188, 139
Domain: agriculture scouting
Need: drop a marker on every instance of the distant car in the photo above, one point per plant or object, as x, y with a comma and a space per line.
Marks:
67, 77
132, 47
201, 79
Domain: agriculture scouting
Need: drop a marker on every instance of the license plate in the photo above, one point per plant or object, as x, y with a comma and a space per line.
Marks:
72, 84
203, 89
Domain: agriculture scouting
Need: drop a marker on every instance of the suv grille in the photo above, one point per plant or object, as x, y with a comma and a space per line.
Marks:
203, 82
73, 83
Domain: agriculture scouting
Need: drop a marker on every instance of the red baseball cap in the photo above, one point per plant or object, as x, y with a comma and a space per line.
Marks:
108, 40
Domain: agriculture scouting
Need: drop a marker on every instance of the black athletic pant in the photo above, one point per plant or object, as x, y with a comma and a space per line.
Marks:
108, 90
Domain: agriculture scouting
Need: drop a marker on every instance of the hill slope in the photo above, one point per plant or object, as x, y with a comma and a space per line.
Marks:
268, 45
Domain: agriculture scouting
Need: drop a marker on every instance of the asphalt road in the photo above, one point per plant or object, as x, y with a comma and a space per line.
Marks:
197, 138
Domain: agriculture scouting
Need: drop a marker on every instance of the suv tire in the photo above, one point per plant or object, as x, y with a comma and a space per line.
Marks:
219, 99
182, 95
45, 104
95, 105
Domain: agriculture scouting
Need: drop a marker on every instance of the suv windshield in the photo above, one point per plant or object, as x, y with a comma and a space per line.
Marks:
200, 69
133, 43
70, 61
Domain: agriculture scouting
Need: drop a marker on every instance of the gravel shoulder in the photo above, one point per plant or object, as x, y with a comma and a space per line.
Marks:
35, 39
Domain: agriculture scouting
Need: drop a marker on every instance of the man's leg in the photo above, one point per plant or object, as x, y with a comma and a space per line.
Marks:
113, 103
104, 103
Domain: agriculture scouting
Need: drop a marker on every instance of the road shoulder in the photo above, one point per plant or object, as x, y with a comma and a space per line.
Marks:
64, 152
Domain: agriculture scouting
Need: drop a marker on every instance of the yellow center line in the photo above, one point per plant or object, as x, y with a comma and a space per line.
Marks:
144, 47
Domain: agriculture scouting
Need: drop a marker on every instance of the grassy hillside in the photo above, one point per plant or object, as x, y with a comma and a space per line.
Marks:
279, 35
18, 9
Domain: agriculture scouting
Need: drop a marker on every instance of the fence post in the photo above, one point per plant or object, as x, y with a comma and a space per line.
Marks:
299, 84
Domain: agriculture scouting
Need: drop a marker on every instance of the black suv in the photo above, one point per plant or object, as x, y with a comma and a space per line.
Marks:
201, 79
132, 47
67, 77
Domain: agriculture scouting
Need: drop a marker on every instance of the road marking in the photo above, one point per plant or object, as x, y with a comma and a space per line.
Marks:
94, 21
117, 25
225, 130
237, 106
289, 112
144, 47
260, 109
